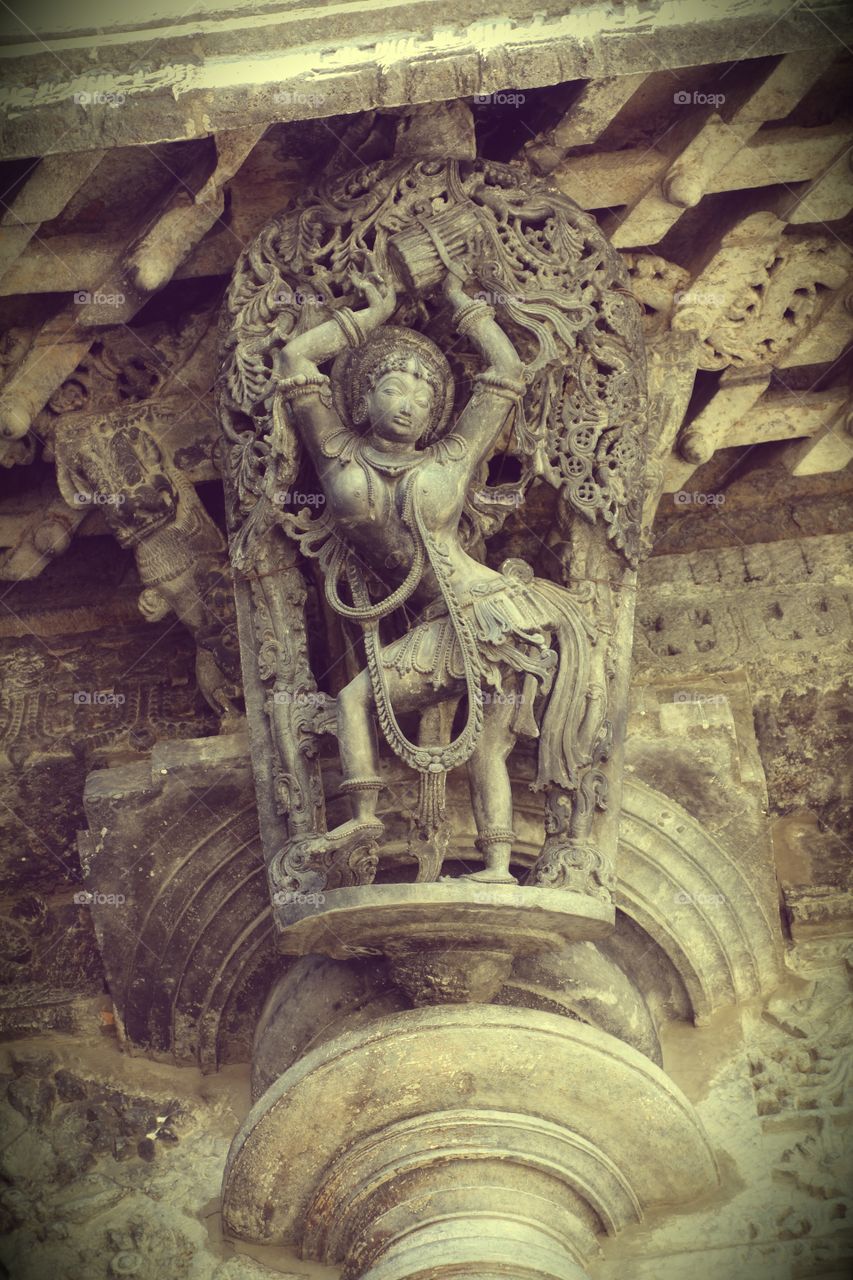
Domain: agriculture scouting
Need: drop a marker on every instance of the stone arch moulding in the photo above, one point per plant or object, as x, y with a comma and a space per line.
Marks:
206, 955
183, 916
687, 892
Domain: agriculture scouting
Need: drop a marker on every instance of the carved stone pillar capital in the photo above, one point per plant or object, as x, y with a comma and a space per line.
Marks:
447, 943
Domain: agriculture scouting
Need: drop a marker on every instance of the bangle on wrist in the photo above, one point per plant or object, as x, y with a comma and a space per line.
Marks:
499, 382
349, 326
466, 316
301, 384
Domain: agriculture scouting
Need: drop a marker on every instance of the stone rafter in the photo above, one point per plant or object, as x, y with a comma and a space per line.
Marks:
186, 235
140, 267
49, 186
692, 166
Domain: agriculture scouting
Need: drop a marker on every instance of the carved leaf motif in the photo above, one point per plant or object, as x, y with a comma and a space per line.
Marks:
248, 376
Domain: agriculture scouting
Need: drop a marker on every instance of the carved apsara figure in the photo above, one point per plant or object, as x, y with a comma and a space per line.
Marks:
396, 471
497, 322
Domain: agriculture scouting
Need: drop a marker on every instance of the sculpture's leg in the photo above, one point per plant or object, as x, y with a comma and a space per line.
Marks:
352, 845
491, 792
358, 748
414, 691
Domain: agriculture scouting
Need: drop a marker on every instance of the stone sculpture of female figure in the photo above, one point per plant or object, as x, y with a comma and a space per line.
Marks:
395, 480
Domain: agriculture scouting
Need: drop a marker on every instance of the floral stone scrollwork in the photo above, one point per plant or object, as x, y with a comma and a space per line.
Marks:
412, 357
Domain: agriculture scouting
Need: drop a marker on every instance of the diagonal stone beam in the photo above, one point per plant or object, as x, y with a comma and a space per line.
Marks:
147, 263
829, 449
598, 103
690, 172
607, 179
830, 195
46, 192
815, 419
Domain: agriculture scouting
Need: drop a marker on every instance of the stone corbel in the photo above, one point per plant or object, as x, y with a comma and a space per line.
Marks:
180, 554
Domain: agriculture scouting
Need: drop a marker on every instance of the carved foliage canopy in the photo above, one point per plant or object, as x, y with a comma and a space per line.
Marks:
559, 290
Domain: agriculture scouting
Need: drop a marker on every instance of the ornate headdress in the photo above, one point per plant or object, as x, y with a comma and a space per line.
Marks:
356, 372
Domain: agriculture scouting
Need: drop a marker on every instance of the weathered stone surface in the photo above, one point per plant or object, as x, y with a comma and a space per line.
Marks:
178, 896
476, 1100
781, 611
270, 66
732, 978
772, 1088
111, 1166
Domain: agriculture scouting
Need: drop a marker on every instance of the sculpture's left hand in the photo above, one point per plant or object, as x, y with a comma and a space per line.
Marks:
379, 293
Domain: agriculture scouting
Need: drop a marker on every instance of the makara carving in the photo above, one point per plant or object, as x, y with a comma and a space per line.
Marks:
394, 346
180, 553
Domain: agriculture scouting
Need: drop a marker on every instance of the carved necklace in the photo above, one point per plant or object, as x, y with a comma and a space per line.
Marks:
390, 464
337, 560
346, 446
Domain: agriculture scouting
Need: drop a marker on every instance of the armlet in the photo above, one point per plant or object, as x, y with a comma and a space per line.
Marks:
512, 388
305, 384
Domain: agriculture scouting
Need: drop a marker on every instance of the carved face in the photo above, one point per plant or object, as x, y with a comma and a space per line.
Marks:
400, 403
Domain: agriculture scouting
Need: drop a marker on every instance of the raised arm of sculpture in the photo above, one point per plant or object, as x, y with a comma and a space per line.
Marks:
500, 386
297, 362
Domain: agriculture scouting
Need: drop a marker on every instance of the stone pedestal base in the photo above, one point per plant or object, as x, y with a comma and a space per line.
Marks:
472, 1141
450, 942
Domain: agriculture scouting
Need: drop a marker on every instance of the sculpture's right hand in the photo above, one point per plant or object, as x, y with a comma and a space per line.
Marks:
454, 291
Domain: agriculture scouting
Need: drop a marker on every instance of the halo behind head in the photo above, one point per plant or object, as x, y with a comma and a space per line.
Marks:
355, 372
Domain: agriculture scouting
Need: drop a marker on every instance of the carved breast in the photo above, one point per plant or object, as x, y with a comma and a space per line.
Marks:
439, 495
354, 502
